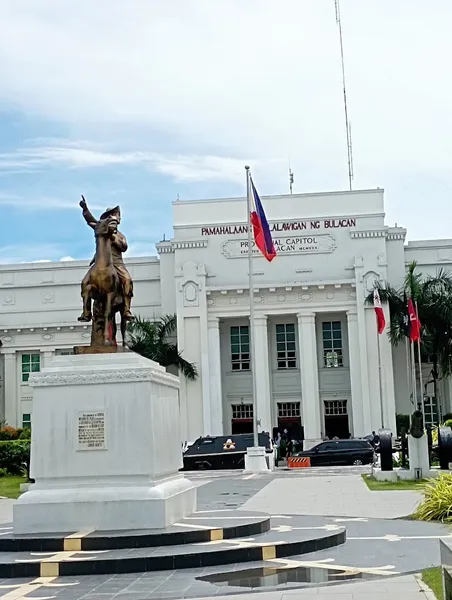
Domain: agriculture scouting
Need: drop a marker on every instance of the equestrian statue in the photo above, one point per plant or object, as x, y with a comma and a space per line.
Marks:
107, 288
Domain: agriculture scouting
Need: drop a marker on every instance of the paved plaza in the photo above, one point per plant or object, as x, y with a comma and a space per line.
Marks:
318, 495
380, 558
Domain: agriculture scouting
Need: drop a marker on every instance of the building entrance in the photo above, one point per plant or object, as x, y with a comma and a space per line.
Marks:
242, 418
289, 418
336, 419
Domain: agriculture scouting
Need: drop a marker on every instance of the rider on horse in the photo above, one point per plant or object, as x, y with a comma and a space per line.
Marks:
119, 245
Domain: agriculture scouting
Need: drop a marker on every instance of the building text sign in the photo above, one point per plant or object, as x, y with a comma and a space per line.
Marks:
308, 244
282, 227
91, 431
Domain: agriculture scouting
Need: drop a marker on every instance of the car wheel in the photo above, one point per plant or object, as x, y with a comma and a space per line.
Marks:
357, 462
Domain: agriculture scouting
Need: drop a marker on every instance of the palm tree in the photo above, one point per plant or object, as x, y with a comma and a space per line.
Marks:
151, 339
433, 296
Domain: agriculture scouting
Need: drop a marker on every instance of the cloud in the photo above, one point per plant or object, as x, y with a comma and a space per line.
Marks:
246, 72
221, 82
33, 202
258, 79
84, 155
26, 253
141, 248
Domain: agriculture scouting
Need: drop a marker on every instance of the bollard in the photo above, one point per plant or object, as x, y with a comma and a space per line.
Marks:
298, 462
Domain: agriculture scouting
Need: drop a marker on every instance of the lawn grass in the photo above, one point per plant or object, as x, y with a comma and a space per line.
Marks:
432, 578
9, 485
385, 486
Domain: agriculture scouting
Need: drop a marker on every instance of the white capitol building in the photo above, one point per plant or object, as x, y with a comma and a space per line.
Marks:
316, 340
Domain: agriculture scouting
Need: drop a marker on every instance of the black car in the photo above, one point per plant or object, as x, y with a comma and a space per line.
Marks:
340, 452
222, 452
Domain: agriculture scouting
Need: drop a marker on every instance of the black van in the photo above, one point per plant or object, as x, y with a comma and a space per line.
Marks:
222, 452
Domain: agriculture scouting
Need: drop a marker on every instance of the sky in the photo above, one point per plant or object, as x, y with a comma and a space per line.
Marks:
138, 102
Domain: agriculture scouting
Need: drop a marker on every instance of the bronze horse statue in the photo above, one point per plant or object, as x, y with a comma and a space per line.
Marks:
103, 288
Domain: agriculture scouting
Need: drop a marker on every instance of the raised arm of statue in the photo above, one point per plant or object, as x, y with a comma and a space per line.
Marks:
87, 215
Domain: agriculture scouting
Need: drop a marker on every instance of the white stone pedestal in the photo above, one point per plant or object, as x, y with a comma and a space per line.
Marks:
105, 449
418, 455
255, 460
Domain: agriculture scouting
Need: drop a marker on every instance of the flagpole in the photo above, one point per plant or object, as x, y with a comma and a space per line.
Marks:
421, 382
408, 370
251, 294
413, 376
380, 382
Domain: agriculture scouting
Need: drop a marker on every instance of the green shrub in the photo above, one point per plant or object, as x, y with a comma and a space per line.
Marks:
15, 456
448, 423
437, 502
447, 417
3, 472
25, 434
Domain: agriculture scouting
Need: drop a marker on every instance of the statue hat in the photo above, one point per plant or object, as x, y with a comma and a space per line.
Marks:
109, 212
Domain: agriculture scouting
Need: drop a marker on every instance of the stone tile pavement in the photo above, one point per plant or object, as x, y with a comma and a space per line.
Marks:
339, 496
408, 587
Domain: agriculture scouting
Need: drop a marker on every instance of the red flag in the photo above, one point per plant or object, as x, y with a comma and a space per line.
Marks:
415, 324
381, 321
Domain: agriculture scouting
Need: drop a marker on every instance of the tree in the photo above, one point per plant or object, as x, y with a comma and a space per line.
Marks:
151, 339
433, 297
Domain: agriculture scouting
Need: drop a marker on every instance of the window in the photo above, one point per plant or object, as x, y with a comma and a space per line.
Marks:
328, 447
288, 409
240, 348
285, 346
431, 410
354, 445
31, 363
242, 411
26, 421
335, 407
332, 344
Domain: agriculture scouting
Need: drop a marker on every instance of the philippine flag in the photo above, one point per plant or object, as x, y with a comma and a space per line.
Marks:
261, 230
381, 321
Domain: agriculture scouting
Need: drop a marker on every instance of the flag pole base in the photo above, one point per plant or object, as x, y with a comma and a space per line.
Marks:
256, 460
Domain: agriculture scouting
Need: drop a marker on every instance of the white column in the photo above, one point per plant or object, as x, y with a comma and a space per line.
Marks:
12, 401
263, 367
309, 378
205, 377
363, 357
183, 405
355, 374
387, 376
46, 357
216, 396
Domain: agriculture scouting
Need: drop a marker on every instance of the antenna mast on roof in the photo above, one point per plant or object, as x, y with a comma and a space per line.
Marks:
348, 127
290, 178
